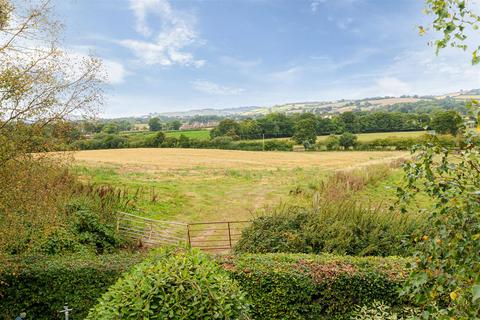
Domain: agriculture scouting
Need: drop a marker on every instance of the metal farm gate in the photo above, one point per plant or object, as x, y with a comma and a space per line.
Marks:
211, 236
216, 236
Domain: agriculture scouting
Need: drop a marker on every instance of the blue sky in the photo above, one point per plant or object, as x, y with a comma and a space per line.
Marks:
167, 55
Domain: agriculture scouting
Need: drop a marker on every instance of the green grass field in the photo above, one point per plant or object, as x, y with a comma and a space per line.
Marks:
365, 137
193, 134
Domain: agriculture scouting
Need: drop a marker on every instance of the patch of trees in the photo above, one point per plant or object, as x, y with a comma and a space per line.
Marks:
428, 106
160, 140
154, 124
306, 126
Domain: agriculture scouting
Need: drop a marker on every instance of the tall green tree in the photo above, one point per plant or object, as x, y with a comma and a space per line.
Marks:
226, 127
445, 122
306, 132
175, 125
154, 124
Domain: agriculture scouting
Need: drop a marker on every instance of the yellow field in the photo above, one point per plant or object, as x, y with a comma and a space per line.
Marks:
208, 185
164, 159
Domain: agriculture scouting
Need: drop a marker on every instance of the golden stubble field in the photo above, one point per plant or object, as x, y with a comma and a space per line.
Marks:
164, 159
208, 185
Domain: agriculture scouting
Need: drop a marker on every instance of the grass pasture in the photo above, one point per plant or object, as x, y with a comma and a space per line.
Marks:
366, 137
208, 185
192, 134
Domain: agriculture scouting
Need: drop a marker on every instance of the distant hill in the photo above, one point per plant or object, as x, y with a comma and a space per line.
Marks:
208, 112
323, 107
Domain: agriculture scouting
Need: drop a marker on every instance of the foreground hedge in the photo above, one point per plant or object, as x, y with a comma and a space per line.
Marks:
301, 286
41, 285
173, 284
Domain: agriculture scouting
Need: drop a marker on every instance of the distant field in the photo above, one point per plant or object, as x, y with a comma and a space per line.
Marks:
193, 134
365, 137
195, 184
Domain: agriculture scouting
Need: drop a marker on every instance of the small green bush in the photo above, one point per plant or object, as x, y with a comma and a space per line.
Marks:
41, 285
381, 311
175, 284
300, 286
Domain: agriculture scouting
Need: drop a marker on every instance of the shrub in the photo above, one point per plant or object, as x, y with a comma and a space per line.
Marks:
278, 145
170, 142
381, 311
299, 286
41, 285
222, 142
332, 142
347, 140
340, 228
176, 284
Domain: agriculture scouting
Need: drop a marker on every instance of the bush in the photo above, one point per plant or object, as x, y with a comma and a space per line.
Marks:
340, 228
222, 142
176, 284
299, 286
41, 285
347, 140
380, 311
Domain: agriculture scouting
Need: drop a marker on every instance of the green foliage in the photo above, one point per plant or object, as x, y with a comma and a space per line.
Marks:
344, 228
391, 143
332, 142
446, 276
175, 284
347, 140
299, 286
40, 285
381, 311
226, 127
305, 132
154, 124
446, 122
159, 139
454, 19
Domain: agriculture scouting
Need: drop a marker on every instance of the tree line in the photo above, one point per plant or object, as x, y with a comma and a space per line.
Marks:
306, 126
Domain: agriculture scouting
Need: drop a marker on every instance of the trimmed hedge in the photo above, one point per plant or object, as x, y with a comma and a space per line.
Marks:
301, 286
110, 141
392, 143
174, 284
40, 285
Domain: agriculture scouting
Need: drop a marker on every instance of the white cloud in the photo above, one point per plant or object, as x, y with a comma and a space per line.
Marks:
315, 4
214, 88
391, 86
167, 45
345, 23
116, 72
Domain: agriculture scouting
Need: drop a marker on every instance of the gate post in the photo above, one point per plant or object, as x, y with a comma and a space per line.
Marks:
188, 235
229, 235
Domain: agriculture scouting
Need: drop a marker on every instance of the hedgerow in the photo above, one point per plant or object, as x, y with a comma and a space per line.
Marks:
301, 286
340, 228
41, 285
174, 284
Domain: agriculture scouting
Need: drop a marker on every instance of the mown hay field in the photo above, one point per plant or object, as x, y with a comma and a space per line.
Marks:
203, 184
